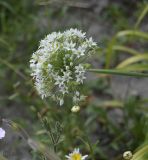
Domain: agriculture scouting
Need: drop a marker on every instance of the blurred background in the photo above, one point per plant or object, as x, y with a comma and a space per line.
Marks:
114, 117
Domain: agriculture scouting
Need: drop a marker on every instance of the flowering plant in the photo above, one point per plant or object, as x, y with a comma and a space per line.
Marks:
58, 66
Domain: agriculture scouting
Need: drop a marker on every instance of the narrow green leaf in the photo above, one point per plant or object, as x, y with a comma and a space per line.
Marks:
125, 49
8, 6
9, 65
141, 154
134, 59
3, 42
109, 50
141, 17
135, 33
111, 104
136, 67
118, 72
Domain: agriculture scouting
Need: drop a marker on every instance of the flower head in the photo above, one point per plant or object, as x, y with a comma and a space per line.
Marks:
2, 133
58, 67
76, 155
127, 155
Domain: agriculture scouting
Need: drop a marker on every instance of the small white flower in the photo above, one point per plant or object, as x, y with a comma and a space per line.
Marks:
59, 63
75, 109
71, 64
61, 102
77, 93
67, 76
75, 32
63, 89
2, 133
76, 155
80, 73
79, 69
80, 78
69, 45
78, 97
59, 81
90, 42
49, 66
51, 37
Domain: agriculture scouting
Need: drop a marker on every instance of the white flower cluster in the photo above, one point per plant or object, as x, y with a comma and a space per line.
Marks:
58, 65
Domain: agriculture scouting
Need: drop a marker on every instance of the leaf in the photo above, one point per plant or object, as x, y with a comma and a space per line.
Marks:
141, 17
111, 104
118, 72
133, 59
135, 33
3, 42
109, 50
12, 67
136, 67
13, 96
8, 6
141, 154
125, 49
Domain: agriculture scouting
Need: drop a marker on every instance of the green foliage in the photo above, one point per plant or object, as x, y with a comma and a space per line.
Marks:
93, 130
119, 38
116, 14
141, 154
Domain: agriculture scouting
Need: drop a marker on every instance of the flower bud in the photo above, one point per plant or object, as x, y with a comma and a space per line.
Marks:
127, 155
75, 109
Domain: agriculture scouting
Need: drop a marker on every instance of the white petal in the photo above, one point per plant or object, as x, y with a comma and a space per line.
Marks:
61, 102
67, 157
2, 133
83, 158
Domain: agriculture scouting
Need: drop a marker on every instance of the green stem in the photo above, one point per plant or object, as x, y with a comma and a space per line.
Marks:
9, 65
91, 150
139, 154
88, 144
118, 72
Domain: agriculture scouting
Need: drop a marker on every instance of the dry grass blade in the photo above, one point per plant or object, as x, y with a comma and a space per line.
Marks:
68, 3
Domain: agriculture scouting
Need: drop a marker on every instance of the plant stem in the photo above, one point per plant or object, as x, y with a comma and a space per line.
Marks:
13, 68
119, 72
88, 144
139, 154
